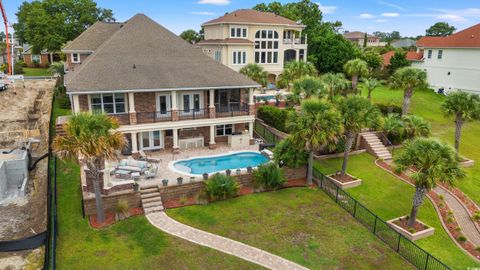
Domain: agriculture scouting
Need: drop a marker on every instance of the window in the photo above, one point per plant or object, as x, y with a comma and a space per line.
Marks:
218, 56
36, 58
108, 103
163, 104
224, 130
429, 54
75, 58
239, 58
191, 102
301, 55
238, 32
150, 140
266, 47
440, 54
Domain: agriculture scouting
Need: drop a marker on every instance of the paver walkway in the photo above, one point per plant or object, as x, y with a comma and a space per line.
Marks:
461, 216
229, 246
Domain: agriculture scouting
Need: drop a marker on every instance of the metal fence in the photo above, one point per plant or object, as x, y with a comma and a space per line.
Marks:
266, 134
414, 254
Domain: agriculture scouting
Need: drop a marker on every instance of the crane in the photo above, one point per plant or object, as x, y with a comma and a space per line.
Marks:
9, 56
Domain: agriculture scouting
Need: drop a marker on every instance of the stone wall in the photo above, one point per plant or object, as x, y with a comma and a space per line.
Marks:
145, 102
109, 202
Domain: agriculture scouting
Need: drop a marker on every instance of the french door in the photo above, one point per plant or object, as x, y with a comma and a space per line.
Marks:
190, 102
151, 140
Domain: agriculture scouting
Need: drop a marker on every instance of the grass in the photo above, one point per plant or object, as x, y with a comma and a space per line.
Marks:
426, 104
36, 72
389, 197
299, 224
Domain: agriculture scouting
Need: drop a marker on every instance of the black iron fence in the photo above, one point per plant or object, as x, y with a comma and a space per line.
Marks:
266, 134
193, 114
414, 254
237, 109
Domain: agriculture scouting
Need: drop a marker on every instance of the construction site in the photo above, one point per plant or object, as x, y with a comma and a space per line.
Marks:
25, 109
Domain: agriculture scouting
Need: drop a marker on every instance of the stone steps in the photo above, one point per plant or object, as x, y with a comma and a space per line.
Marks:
376, 145
151, 200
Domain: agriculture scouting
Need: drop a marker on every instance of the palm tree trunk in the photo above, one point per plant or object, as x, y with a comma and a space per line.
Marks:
417, 201
95, 174
310, 168
369, 96
458, 131
407, 95
348, 147
354, 83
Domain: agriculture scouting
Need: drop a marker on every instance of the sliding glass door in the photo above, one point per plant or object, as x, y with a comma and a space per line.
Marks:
151, 140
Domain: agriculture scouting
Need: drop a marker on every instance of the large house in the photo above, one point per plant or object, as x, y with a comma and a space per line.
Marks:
248, 36
164, 91
358, 37
452, 62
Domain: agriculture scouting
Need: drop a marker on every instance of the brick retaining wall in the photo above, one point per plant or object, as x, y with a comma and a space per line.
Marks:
109, 202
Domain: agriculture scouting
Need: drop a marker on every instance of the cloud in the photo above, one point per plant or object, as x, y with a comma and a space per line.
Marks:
214, 2
326, 9
391, 5
365, 16
390, 14
452, 17
381, 20
205, 13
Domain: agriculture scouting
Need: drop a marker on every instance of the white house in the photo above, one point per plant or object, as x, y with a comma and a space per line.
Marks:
452, 62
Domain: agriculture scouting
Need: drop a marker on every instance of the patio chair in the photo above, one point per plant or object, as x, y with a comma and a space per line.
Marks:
151, 171
144, 157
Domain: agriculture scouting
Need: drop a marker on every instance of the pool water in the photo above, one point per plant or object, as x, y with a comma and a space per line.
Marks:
220, 163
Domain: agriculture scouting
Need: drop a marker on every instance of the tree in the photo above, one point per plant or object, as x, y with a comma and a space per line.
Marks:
434, 162
373, 59
310, 86
408, 78
191, 36
329, 52
370, 84
415, 126
296, 69
464, 107
440, 29
317, 124
355, 69
357, 113
335, 83
256, 73
57, 68
290, 153
49, 24
91, 138
398, 60
365, 40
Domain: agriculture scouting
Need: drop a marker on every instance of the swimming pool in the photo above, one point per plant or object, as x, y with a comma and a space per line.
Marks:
240, 160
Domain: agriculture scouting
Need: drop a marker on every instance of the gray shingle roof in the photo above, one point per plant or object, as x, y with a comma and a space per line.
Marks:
143, 55
93, 37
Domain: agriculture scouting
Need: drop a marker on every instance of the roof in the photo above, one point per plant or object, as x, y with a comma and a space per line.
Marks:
403, 43
28, 50
143, 55
411, 56
93, 37
467, 38
251, 16
226, 41
356, 35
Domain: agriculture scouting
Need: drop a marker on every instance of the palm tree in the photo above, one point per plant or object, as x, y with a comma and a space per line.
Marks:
370, 84
256, 73
296, 69
415, 126
357, 113
433, 162
464, 107
309, 86
356, 68
317, 124
408, 78
92, 138
392, 126
57, 68
334, 83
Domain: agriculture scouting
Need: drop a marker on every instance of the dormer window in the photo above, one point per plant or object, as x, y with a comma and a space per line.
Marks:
238, 32
75, 58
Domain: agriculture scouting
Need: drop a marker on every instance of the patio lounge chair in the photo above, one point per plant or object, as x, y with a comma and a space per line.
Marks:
144, 157
132, 166
267, 153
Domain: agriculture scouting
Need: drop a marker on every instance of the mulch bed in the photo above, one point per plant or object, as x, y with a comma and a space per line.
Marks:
343, 179
179, 203
403, 223
110, 218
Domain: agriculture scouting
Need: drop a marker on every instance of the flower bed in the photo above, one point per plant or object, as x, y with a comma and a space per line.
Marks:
418, 231
348, 181
110, 218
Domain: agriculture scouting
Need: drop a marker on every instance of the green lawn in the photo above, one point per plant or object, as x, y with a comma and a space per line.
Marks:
389, 197
300, 224
426, 103
36, 72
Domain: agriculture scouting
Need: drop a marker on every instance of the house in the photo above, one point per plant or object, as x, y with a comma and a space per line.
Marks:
404, 43
412, 56
452, 62
165, 92
358, 37
248, 36
42, 59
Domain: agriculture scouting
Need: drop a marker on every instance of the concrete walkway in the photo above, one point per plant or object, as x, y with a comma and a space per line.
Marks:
469, 230
243, 251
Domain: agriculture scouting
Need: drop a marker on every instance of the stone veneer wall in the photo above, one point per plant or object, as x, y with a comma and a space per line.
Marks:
83, 99
109, 202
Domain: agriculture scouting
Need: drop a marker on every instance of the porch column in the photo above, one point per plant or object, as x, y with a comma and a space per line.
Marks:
211, 104
212, 143
132, 114
176, 149
251, 103
250, 132
297, 55
76, 103
134, 139
174, 106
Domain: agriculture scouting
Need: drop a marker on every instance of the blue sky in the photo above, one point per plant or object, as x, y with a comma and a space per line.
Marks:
410, 17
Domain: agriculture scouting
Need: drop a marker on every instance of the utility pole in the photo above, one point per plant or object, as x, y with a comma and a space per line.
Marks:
13, 55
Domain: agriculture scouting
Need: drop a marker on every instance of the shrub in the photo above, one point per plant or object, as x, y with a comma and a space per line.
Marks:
462, 238
476, 216
389, 108
221, 186
392, 126
61, 97
415, 126
121, 209
269, 176
290, 153
18, 67
477, 248
273, 116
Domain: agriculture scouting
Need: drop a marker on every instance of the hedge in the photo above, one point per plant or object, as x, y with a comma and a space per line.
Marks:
273, 116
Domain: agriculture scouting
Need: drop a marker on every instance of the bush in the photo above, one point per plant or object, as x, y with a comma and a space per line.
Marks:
221, 187
461, 239
121, 209
476, 216
61, 97
18, 67
290, 153
387, 109
273, 116
269, 176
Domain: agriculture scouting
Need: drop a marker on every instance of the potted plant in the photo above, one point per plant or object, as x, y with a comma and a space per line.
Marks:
165, 182
179, 180
135, 187
249, 169
228, 171
205, 176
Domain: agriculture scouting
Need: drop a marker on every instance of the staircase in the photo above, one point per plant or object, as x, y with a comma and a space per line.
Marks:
375, 146
151, 200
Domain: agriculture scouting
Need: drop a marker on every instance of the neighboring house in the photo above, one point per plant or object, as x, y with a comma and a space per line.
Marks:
248, 36
403, 43
42, 59
452, 62
358, 37
164, 91
411, 56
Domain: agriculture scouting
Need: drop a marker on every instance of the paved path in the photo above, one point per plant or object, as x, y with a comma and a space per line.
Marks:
246, 252
469, 230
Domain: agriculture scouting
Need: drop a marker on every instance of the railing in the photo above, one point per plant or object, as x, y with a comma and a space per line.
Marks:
232, 110
266, 134
192, 114
294, 41
153, 117
123, 118
414, 254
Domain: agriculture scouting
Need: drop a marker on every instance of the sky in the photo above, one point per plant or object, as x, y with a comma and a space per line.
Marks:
409, 17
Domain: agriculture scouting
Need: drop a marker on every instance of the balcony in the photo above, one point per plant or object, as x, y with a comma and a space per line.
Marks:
294, 41
238, 109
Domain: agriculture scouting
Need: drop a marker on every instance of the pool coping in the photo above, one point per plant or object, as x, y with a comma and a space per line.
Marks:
242, 170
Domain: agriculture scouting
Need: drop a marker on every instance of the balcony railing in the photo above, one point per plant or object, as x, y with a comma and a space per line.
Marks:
153, 117
123, 118
232, 110
193, 114
294, 40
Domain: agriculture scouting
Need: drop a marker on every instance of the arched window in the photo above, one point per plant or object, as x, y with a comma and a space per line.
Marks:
266, 47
